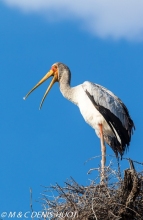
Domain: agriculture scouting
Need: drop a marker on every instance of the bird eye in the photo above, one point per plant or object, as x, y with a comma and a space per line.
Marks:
54, 68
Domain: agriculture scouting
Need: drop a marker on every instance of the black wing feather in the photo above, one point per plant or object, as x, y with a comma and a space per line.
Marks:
114, 122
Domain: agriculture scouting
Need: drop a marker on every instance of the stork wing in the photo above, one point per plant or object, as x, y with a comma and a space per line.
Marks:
112, 109
125, 111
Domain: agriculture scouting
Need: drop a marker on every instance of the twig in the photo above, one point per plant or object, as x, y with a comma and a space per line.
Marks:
118, 217
109, 155
31, 206
92, 169
93, 210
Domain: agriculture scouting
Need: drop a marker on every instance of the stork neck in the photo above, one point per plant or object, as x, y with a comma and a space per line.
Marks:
67, 91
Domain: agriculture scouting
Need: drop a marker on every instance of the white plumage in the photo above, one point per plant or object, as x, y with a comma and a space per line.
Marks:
90, 114
100, 108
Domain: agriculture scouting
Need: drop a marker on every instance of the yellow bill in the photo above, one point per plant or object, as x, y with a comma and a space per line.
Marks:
49, 74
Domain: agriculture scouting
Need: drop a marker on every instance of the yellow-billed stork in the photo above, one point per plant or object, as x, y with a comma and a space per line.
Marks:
100, 108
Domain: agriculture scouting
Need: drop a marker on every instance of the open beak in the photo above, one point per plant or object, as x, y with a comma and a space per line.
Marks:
49, 74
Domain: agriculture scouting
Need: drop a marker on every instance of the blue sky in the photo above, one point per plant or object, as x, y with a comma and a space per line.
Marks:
48, 146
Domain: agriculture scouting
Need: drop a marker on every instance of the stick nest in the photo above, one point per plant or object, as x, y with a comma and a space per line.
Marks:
115, 198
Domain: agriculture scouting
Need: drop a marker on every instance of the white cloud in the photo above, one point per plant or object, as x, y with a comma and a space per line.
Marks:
104, 18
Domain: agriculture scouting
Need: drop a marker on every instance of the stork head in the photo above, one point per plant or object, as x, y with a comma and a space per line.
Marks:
55, 72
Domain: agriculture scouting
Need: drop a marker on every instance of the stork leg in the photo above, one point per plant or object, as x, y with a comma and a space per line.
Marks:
103, 151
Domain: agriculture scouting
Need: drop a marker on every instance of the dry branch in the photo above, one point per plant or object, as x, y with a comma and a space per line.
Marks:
117, 199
